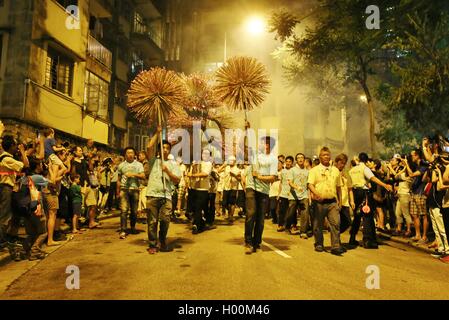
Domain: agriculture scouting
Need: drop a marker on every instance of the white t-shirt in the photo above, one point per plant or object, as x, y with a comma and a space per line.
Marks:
274, 187
231, 183
203, 184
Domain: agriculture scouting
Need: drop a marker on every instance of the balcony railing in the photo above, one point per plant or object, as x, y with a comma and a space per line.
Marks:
99, 52
142, 28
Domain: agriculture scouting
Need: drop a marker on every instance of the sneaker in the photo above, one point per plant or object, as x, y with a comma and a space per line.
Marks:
122, 235
248, 249
337, 251
319, 248
165, 248
280, 229
210, 227
437, 255
303, 236
194, 230
293, 230
134, 231
370, 245
353, 244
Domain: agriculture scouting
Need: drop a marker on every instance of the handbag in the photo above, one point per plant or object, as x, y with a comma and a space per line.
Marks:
365, 207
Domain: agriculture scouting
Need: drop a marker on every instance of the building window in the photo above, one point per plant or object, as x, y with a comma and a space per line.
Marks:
66, 3
96, 94
139, 24
59, 72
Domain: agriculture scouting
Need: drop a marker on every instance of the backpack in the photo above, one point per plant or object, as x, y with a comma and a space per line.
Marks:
26, 199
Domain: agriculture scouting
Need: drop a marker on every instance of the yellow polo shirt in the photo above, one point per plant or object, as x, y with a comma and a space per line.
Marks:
325, 180
8, 169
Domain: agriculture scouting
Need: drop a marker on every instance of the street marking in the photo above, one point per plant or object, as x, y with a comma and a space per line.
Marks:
279, 252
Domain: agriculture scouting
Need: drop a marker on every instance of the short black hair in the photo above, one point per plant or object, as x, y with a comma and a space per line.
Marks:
300, 154
8, 142
270, 139
363, 157
418, 152
166, 142
289, 157
128, 148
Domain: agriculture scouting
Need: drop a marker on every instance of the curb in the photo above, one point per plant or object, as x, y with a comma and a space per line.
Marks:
408, 242
5, 258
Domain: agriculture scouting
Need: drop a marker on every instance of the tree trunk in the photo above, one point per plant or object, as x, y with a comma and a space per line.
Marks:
370, 104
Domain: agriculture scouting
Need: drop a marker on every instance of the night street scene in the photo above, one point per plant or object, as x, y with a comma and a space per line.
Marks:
239, 151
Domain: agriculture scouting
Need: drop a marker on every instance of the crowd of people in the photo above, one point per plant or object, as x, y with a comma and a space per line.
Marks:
44, 184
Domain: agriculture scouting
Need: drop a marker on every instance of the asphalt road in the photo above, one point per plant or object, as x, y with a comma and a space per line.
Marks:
212, 265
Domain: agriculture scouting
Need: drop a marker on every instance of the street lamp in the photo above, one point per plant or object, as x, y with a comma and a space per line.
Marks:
255, 25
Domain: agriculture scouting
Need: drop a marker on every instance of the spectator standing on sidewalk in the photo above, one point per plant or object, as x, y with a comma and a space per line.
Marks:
9, 168
418, 201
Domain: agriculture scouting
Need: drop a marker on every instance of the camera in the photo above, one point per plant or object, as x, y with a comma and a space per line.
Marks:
107, 162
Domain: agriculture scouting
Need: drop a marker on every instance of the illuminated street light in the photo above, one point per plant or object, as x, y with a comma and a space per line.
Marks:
255, 25
363, 98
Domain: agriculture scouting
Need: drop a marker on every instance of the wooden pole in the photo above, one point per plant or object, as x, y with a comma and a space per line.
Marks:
159, 115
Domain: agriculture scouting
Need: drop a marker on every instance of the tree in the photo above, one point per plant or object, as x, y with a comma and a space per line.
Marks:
421, 43
338, 36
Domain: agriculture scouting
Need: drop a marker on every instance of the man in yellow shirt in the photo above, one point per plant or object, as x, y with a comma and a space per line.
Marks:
9, 168
324, 184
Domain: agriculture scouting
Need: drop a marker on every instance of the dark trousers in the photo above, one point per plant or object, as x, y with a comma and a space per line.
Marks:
304, 216
256, 206
345, 219
158, 212
210, 217
5, 209
283, 209
200, 207
190, 201
112, 200
390, 210
274, 209
369, 227
36, 229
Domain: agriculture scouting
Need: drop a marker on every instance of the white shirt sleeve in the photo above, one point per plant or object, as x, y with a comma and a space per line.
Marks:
368, 173
206, 167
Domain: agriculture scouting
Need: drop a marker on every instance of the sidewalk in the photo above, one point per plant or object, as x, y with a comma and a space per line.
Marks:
406, 241
5, 258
